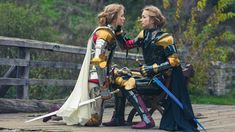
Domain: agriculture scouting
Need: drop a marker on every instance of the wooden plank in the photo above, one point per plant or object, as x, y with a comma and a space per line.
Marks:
20, 73
49, 64
26, 43
14, 62
10, 73
26, 74
52, 82
22, 105
12, 81
42, 82
16, 42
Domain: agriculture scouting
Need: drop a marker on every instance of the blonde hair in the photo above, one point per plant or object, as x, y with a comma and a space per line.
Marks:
109, 13
155, 15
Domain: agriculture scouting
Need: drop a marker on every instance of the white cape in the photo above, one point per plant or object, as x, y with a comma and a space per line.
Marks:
69, 111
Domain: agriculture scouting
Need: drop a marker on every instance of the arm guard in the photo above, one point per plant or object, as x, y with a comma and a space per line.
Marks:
145, 69
100, 57
170, 51
104, 37
126, 43
173, 61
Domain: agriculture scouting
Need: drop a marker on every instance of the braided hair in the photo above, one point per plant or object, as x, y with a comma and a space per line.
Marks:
109, 13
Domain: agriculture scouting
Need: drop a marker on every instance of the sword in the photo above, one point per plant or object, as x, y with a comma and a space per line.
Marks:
79, 105
172, 96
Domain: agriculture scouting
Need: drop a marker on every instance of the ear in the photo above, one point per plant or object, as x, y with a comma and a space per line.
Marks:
151, 21
114, 22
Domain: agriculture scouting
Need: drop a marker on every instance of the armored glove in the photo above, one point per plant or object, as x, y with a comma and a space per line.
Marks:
145, 69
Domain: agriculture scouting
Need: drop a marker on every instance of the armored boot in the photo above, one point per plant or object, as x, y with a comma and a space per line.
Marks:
53, 108
118, 118
137, 102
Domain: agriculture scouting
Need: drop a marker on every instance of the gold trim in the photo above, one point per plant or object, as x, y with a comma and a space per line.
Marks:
166, 41
155, 67
103, 64
127, 84
130, 84
174, 60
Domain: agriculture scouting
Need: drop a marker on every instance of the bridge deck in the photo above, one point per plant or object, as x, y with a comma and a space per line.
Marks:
216, 118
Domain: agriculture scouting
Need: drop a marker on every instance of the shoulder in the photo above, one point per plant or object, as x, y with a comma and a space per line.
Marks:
141, 35
164, 39
105, 33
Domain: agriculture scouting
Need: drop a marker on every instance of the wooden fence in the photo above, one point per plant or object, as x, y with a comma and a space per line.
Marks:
221, 82
18, 73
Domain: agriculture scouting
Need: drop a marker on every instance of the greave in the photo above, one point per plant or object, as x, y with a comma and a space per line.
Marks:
139, 105
118, 118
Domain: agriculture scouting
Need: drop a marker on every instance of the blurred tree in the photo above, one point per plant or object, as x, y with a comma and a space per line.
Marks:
202, 38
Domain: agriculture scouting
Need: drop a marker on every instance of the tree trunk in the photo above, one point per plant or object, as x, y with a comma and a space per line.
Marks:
19, 105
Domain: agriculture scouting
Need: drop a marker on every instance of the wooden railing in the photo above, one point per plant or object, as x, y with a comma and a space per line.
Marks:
18, 73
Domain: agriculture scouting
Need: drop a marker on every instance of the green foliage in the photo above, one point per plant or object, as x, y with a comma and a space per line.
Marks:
23, 22
48, 8
179, 5
201, 4
218, 100
166, 4
203, 39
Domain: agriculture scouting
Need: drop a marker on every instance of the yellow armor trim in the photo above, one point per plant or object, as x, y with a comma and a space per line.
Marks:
140, 35
136, 74
101, 61
105, 34
165, 41
127, 84
103, 64
174, 60
155, 67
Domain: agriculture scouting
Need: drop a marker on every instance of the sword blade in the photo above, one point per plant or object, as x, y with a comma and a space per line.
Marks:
172, 96
79, 105
43, 116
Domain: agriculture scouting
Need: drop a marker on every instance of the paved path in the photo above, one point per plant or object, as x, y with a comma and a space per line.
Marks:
217, 118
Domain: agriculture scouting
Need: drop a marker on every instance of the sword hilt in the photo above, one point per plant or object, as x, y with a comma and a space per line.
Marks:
115, 91
138, 61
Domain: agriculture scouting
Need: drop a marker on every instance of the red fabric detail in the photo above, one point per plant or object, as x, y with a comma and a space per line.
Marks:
94, 81
129, 44
106, 82
94, 37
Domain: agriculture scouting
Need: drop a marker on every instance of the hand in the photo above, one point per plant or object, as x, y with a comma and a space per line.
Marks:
105, 94
145, 69
104, 91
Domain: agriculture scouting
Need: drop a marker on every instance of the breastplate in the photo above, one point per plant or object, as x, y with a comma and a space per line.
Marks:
152, 52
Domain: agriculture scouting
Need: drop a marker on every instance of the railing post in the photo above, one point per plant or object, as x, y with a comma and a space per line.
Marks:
26, 74
23, 72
